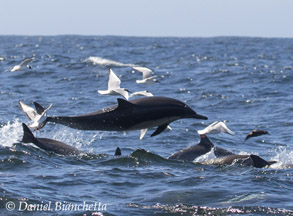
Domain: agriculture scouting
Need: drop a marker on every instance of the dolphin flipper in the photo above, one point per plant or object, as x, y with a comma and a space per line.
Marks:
160, 129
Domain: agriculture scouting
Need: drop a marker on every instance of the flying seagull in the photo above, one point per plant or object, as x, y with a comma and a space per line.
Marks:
114, 86
215, 128
142, 93
23, 64
146, 75
34, 115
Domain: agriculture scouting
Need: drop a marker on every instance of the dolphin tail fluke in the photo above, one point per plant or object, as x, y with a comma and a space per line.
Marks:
28, 136
160, 129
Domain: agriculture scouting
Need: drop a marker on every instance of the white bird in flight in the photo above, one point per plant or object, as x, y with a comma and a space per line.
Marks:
215, 128
143, 93
146, 75
34, 115
114, 86
23, 64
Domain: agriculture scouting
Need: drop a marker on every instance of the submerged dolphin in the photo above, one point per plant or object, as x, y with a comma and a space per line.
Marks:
244, 160
205, 146
48, 144
138, 114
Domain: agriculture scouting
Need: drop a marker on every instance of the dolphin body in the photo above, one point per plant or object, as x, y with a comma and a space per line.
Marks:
48, 144
138, 114
192, 152
244, 160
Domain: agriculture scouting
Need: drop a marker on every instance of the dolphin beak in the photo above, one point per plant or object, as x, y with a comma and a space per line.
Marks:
200, 116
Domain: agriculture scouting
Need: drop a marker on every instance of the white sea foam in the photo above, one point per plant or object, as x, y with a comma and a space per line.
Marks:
284, 158
107, 62
208, 156
10, 133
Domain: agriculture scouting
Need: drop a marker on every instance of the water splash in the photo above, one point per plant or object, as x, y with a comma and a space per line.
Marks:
208, 156
78, 139
284, 158
107, 62
10, 133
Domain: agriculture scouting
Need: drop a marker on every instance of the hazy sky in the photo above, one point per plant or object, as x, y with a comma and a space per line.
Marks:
264, 18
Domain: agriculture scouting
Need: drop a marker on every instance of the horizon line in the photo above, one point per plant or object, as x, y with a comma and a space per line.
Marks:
141, 36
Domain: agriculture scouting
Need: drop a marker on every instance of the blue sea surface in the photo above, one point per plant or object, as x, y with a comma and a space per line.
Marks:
246, 82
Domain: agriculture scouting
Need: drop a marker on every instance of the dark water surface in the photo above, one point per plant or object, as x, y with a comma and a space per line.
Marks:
247, 82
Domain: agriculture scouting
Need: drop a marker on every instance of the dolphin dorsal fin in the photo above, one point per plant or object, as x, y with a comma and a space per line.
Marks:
258, 162
124, 104
28, 136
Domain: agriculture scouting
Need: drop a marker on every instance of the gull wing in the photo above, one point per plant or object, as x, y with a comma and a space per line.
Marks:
143, 93
114, 81
26, 61
146, 72
30, 112
122, 92
215, 128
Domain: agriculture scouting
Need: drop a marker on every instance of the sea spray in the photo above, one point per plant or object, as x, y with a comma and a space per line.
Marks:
107, 62
284, 158
10, 133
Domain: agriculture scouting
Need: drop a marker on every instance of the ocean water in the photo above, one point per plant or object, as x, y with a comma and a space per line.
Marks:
246, 82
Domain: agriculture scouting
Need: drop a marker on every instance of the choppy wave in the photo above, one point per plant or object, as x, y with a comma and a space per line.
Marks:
182, 209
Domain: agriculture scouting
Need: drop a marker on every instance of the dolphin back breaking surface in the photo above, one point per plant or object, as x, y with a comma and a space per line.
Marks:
48, 144
130, 115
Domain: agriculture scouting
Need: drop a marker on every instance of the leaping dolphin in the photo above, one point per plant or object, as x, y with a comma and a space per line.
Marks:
48, 144
138, 114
